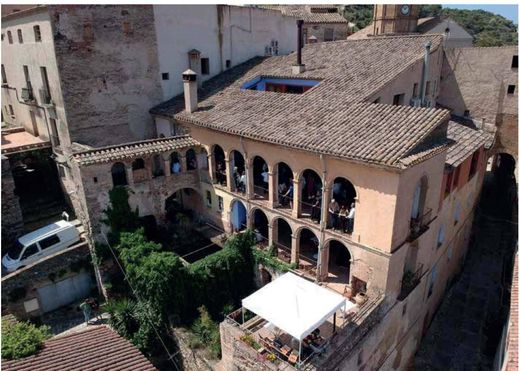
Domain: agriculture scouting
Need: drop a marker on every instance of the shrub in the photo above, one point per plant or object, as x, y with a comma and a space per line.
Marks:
22, 339
207, 332
119, 215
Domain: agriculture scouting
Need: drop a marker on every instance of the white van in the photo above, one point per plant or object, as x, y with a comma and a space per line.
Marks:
42, 242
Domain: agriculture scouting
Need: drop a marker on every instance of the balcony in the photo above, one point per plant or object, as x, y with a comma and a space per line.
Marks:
45, 97
409, 282
27, 94
420, 225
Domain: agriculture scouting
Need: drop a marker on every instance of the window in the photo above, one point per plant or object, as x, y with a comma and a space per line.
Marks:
204, 66
11, 111
46, 89
3, 36
4, 76
511, 89
9, 37
220, 203
165, 76
20, 36
514, 63
415, 89
447, 187
404, 309
228, 63
37, 34
398, 100
428, 85
138, 164
466, 113
119, 174
456, 177
433, 278
61, 171
54, 132
208, 198
458, 210
29, 251
27, 76
328, 34
474, 164
49, 241
95, 179
440, 236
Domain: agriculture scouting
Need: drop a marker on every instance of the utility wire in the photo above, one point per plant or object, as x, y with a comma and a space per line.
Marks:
170, 356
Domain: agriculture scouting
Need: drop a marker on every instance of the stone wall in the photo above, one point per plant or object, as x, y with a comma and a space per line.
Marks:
192, 359
108, 63
12, 221
28, 279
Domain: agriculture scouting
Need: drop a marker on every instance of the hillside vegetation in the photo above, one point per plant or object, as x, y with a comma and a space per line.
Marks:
487, 29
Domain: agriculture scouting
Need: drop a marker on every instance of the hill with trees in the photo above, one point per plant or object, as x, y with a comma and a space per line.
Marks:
487, 29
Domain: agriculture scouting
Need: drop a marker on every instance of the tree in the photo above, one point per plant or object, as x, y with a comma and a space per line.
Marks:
22, 339
430, 10
119, 215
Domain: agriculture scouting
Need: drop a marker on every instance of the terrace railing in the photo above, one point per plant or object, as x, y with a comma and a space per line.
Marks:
420, 225
409, 282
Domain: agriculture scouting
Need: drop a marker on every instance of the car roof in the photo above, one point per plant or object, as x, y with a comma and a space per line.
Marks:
43, 232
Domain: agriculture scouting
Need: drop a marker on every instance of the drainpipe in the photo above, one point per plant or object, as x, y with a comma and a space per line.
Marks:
426, 67
324, 210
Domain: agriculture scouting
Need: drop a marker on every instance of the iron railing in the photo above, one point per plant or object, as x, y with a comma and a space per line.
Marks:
409, 282
419, 225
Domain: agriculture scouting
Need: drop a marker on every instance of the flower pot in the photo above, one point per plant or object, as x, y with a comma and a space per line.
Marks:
360, 298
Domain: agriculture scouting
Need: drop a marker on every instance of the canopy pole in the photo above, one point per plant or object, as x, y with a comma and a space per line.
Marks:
300, 353
243, 310
334, 324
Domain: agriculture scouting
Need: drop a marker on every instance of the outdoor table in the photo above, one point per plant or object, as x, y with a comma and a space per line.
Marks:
285, 350
293, 358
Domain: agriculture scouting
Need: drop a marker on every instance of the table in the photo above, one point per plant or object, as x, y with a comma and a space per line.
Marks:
285, 350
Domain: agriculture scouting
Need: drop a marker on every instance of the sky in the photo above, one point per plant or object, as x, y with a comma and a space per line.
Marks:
509, 11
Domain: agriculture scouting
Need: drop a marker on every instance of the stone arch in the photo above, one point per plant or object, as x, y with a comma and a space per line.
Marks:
282, 232
237, 165
260, 225
185, 200
260, 177
284, 185
175, 162
118, 172
218, 159
339, 260
138, 164
238, 215
308, 242
191, 159
311, 185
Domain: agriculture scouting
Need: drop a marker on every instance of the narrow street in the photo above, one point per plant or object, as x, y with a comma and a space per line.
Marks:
466, 329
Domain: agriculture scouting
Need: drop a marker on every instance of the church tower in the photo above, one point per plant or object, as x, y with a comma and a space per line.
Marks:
395, 19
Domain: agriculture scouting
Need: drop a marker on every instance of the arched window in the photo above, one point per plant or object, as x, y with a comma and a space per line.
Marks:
191, 159
419, 198
175, 163
138, 164
119, 174
440, 236
157, 166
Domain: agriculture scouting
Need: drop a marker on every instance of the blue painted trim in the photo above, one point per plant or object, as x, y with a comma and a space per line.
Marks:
260, 82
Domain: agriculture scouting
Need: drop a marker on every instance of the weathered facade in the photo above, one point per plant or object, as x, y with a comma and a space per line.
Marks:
12, 223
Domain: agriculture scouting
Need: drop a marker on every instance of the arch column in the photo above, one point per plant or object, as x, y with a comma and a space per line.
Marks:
323, 262
129, 175
271, 231
295, 249
211, 167
296, 211
325, 200
167, 165
249, 178
182, 160
229, 176
273, 189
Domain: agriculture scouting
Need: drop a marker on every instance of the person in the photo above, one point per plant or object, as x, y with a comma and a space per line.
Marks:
258, 235
221, 176
350, 218
236, 177
243, 182
176, 167
334, 210
316, 207
193, 163
343, 218
86, 307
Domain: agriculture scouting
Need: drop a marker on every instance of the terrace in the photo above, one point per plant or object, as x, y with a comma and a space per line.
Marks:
292, 323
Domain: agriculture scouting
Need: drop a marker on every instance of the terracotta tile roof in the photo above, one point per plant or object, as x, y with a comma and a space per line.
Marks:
512, 338
466, 140
303, 12
333, 117
133, 150
96, 348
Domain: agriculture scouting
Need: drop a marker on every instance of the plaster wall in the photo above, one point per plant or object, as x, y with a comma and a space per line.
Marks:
404, 82
220, 33
34, 55
339, 31
457, 37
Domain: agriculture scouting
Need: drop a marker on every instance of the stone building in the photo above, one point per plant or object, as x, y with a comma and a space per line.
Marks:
320, 22
403, 19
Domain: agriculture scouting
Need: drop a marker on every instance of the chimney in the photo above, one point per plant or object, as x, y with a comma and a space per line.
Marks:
299, 67
190, 90
426, 68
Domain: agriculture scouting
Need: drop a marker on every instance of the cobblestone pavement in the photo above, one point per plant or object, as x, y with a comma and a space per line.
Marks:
463, 334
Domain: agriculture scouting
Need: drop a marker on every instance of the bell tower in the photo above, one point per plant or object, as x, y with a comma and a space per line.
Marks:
395, 19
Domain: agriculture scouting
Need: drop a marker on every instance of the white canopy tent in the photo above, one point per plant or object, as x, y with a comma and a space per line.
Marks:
295, 305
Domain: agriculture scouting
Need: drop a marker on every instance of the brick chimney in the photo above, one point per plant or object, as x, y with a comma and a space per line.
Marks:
190, 90
299, 67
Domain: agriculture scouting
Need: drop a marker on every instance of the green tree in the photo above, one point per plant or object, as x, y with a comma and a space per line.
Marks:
433, 10
119, 215
22, 339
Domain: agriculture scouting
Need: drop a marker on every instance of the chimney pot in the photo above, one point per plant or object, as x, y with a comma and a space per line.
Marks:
189, 78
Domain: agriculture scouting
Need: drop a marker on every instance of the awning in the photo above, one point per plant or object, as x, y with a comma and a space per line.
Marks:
295, 305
